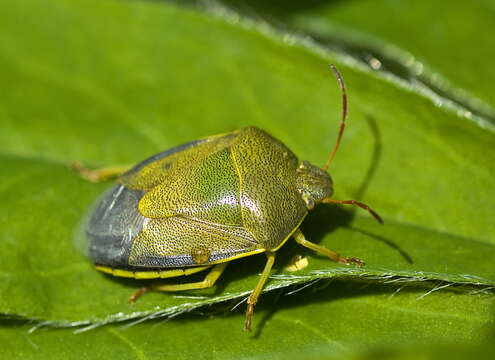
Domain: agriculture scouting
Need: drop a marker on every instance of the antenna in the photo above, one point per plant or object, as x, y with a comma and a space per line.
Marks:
340, 80
336, 146
357, 203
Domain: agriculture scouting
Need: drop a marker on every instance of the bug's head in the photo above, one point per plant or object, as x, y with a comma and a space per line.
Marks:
313, 183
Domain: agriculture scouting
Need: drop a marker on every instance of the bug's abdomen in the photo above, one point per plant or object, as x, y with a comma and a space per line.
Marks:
113, 225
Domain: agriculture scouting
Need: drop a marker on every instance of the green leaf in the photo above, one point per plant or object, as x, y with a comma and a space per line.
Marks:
427, 43
341, 321
124, 80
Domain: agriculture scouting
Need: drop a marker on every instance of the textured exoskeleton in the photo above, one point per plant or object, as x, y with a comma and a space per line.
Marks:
205, 202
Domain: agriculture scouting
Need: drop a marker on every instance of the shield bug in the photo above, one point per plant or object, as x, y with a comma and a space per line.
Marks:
203, 204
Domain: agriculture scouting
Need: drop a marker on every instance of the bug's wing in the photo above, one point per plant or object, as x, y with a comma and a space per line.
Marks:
201, 186
116, 220
178, 242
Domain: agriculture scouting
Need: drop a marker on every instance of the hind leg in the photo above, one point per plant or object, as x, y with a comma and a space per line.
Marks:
207, 282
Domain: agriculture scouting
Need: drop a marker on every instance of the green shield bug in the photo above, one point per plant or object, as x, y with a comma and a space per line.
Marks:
203, 204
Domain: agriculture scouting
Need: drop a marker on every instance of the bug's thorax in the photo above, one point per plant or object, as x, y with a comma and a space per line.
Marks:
313, 183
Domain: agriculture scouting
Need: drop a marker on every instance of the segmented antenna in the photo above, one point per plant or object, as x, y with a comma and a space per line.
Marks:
340, 80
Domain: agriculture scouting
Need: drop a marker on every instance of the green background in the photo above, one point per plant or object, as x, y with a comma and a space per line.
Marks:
113, 82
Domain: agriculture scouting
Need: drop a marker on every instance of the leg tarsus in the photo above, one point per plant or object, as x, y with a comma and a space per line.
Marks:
349, 261
249, 317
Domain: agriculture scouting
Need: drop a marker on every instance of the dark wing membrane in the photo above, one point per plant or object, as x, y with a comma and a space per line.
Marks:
180, 242
114, 224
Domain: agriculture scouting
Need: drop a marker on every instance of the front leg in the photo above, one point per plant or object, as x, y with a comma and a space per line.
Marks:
335, 256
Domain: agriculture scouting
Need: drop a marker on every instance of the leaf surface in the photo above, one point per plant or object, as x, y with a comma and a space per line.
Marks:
125, 80
440, 47
342, 321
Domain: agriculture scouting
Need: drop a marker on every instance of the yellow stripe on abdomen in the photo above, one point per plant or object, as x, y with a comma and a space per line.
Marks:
151, 274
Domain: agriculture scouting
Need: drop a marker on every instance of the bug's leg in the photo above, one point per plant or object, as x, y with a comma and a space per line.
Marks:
253, 298
297, 263
208, 281
99, 175
335, 256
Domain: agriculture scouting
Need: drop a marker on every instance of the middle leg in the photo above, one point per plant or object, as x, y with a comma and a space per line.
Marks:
253, 298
